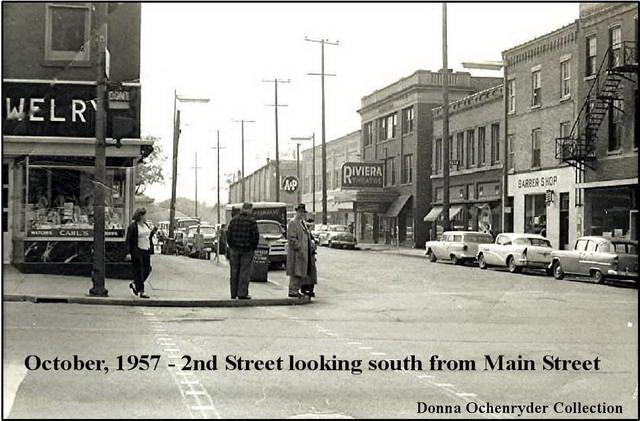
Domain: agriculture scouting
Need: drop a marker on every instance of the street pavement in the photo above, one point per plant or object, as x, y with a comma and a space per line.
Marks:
370, 305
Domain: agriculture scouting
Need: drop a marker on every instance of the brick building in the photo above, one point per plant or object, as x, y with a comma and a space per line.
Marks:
397, 130
48, 135
542, 102
339, 203
260, 185
605, 138
475, 183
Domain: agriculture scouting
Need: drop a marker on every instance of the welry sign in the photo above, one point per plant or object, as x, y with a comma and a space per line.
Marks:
56, 109
357, 175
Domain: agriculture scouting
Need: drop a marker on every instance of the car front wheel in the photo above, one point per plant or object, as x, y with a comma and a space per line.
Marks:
432, 256
455, 260
558, 273
598, 276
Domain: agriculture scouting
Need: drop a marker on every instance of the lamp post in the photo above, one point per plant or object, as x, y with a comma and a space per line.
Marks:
176, 140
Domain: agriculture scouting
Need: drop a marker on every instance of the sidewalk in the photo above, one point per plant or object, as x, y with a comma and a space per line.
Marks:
392, 249
175, 281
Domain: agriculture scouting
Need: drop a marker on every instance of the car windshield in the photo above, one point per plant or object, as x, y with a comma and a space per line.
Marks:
478, 238
207, 230
266, 228
626, 248
532, 241
338, 228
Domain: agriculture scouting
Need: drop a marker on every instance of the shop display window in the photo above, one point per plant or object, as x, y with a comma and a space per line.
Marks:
609, 211
535, 214
60, 202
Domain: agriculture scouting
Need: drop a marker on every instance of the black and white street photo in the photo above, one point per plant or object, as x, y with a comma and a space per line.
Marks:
318, 210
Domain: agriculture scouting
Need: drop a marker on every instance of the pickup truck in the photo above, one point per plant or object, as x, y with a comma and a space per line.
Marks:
599, 258
273, 233
516, 251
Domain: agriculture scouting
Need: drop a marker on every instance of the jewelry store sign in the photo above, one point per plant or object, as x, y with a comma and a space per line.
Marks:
356, 175
73, 233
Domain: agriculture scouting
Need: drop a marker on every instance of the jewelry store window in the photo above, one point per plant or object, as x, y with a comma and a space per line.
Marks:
60, 202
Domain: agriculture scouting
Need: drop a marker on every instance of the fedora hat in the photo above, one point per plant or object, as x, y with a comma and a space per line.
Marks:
301, 207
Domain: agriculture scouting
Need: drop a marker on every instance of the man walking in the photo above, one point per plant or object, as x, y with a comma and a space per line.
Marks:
242, 241
300, 256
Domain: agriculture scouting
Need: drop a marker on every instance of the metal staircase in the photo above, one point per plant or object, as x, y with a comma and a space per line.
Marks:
578, 149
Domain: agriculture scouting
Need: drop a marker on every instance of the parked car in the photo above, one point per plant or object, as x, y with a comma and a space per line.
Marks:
273, 234
599, 258
317, 230
457, 246
209, 240
341, 239
324, 235
181, 242
516, 251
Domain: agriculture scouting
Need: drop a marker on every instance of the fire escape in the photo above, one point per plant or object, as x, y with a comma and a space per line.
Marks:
578, 149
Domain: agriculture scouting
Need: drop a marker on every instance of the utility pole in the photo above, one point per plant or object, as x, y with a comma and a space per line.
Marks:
276, 105
322, 74
98, 273
298, 140
242, 136
196, 168
218, 147
445, 124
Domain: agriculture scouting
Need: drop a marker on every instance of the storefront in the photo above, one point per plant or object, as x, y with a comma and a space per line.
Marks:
611, 209
544, 203
48, 155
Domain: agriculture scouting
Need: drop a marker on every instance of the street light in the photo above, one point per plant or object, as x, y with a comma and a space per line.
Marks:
313, 167
176, 138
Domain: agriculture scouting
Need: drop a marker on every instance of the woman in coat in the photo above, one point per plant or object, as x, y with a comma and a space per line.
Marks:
140, 247
301, 266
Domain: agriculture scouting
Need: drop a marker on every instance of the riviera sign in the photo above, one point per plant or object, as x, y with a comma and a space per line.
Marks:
362, 174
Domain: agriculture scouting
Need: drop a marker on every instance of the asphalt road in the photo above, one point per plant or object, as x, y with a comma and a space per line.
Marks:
370, 306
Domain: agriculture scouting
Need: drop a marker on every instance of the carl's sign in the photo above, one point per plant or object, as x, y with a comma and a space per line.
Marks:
58, 109
357, 175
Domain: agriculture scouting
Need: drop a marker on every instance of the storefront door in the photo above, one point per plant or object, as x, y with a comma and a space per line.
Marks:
564, 221
7, 244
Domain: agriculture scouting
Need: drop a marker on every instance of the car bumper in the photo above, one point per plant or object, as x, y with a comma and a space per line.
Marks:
622, 274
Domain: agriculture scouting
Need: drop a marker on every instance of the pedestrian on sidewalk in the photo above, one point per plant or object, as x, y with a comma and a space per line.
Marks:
140, 248
242, 242
301, 266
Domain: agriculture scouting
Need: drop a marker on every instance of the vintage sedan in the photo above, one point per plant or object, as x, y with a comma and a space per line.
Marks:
599, 258
208, 244
516, 251
324, 235
341, 239
457, 246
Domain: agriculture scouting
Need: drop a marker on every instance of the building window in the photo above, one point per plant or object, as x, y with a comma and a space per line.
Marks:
495, 143
616, 114
460, 149
68, 32
471, 148
512, 152
536, 88
591, 55
368, 134
438, 155
511, 88
536, 135
450, 150
382, 129
481, 146
392, 124
615, 42
565, 129
5, 197
565, 79
390, 172
407, 169
407, 120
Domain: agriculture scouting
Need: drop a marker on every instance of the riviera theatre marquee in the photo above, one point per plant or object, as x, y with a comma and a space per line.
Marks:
48, 155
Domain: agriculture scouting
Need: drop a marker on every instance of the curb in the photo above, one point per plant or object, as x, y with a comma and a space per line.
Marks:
259, 302
394, 252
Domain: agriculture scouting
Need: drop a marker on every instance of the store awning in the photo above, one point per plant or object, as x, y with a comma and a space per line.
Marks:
433, 214
454, 210
396, 206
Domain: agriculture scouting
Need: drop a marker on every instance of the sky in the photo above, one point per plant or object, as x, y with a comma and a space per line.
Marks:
224, 52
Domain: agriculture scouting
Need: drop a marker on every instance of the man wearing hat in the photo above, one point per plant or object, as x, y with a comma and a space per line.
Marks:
242, 242
301, 266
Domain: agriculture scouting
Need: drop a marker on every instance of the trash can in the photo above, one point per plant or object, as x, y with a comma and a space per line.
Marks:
260, 268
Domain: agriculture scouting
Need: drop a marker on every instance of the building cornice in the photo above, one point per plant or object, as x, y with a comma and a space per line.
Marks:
472, 101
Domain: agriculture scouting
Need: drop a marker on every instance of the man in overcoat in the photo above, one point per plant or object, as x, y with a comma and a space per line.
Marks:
301, 266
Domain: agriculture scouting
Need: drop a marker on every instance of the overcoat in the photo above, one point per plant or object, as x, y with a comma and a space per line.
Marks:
300, 258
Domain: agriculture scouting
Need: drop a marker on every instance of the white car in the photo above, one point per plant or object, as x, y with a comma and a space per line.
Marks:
516, 251
457, 246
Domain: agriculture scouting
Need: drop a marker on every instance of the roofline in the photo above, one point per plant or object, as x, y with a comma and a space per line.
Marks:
541, 37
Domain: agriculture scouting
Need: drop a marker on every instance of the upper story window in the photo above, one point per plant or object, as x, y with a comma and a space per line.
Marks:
592, 44
471, 148
615, 42
407, 120
565, 79
495, 143
68, 32
460, 148
536, 88
512, 152
536, 140
388, 126
511, 88
407, 169
482, 147
368, 134
438, 155
616, 115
